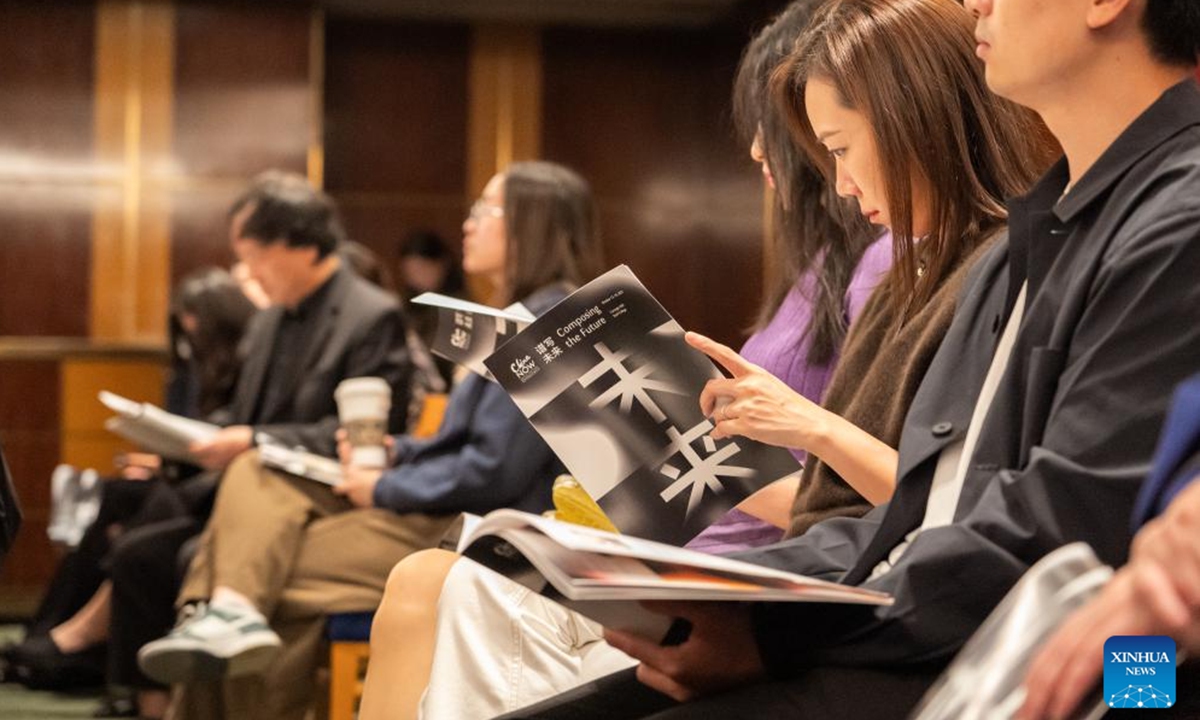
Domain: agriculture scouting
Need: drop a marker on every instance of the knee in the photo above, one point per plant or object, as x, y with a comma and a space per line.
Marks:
413, 588
416, 581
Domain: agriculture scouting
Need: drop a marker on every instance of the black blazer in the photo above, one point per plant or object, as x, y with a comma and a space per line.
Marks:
360, 332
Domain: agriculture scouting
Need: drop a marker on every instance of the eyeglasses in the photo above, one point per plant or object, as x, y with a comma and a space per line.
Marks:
480, 209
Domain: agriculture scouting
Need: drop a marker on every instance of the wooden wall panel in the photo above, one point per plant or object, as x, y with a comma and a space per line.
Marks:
47, 179
395, 107
199, 228
395, 128
45, 251
243, 102
134, 100
29, 417
46, 87
644, 116
85, 442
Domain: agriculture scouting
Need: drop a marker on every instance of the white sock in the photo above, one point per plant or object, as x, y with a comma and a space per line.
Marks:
232, 599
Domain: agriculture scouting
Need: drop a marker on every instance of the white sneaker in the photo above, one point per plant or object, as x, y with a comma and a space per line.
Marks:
216, 641
63, 485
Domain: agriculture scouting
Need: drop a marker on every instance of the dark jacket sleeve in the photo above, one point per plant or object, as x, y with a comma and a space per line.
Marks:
378, 349
486, 456
1108, 393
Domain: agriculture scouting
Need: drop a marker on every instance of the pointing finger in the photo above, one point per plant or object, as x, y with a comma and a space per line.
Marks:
724, 355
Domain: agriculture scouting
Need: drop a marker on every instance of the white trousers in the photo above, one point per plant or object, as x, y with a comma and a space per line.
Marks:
501, 647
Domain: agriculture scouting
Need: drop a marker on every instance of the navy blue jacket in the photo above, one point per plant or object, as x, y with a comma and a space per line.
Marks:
484, 456
1177, 460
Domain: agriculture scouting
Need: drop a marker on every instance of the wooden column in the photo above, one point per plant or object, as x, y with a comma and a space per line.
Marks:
133, 126
504, 115
505, 96
316, 86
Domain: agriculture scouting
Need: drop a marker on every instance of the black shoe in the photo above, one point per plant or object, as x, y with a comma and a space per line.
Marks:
38, 664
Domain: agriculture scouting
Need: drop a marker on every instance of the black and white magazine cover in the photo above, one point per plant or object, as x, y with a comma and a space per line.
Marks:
607, 380
468, 332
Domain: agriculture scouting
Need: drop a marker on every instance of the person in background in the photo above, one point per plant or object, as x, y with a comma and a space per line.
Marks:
426, 377
366, 264
324, 325
428, 264
65, 642
280, 552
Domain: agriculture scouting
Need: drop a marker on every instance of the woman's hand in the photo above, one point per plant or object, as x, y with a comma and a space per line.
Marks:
720, 651
756, 404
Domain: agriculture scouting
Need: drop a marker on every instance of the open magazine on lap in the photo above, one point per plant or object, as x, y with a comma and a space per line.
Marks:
605, 576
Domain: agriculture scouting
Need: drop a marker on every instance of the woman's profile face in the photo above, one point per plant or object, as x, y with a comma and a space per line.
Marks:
847, 136
850, 140
485, 242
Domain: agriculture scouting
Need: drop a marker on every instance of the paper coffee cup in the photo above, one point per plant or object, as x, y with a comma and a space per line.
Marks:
363, 407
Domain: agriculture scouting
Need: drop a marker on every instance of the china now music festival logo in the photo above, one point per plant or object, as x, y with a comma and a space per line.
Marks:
1139, 671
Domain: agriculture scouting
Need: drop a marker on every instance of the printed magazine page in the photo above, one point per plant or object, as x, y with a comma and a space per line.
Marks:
468, 332
604, 575
607, 380
155, 429
301, 464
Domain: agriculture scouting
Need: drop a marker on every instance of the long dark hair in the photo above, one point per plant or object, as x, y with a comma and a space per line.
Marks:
552, 229
909, 66
815, 230
221, 312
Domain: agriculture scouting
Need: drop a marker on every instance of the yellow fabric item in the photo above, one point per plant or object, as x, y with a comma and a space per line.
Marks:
572, 504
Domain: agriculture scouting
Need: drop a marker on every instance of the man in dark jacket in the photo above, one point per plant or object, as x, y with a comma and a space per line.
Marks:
324, 325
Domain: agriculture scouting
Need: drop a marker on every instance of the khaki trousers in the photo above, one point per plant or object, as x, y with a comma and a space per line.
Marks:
299, 552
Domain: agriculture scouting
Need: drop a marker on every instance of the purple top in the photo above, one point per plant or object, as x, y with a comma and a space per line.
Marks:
780, 350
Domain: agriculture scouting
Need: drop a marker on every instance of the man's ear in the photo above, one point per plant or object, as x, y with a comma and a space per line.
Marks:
1102, 13
314, 255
